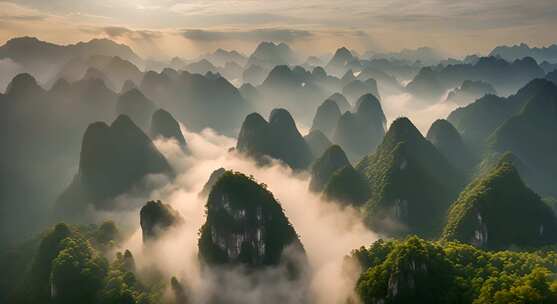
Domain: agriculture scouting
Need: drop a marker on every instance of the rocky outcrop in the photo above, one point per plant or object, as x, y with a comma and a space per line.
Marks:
246, 226
156, 218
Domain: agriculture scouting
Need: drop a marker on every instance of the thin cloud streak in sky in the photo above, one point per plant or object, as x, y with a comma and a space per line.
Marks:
252, 35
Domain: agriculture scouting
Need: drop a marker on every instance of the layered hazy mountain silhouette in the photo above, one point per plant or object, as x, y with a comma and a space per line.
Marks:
165, 126
479, 119
470, 91
317, 142
115, 70
422, 55
506, 77
200, 101
493, 125
42, 59
326, 117
522, 50
279, 139
443, 135
270, 54
359, 133
386, 83
400, 69
27, 50
201, 67
340, 62
286, 87
42, 139
137, 107
341, 102
254, 74
220, 57
356, 88
113, 160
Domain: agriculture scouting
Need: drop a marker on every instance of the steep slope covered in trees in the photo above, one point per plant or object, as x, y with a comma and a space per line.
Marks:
497, 211
412, 183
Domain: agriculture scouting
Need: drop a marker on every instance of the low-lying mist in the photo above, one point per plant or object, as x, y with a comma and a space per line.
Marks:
422, 116
327, 231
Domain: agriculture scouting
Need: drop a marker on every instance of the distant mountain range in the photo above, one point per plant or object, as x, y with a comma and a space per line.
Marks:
511, 53
33, 53
423, 55
506, 77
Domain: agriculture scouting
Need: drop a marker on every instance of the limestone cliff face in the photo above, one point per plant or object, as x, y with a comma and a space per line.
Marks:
245, 226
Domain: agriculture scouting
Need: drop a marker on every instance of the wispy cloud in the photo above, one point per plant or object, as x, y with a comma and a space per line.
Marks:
119, 32
286, 35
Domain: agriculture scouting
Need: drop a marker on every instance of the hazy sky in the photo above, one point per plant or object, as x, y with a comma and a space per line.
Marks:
186, 28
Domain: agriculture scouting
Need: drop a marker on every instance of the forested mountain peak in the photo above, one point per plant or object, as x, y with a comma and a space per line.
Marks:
325, 166
488, 210
410, 180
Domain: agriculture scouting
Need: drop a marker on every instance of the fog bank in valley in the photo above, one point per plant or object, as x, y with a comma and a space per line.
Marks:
327, 232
